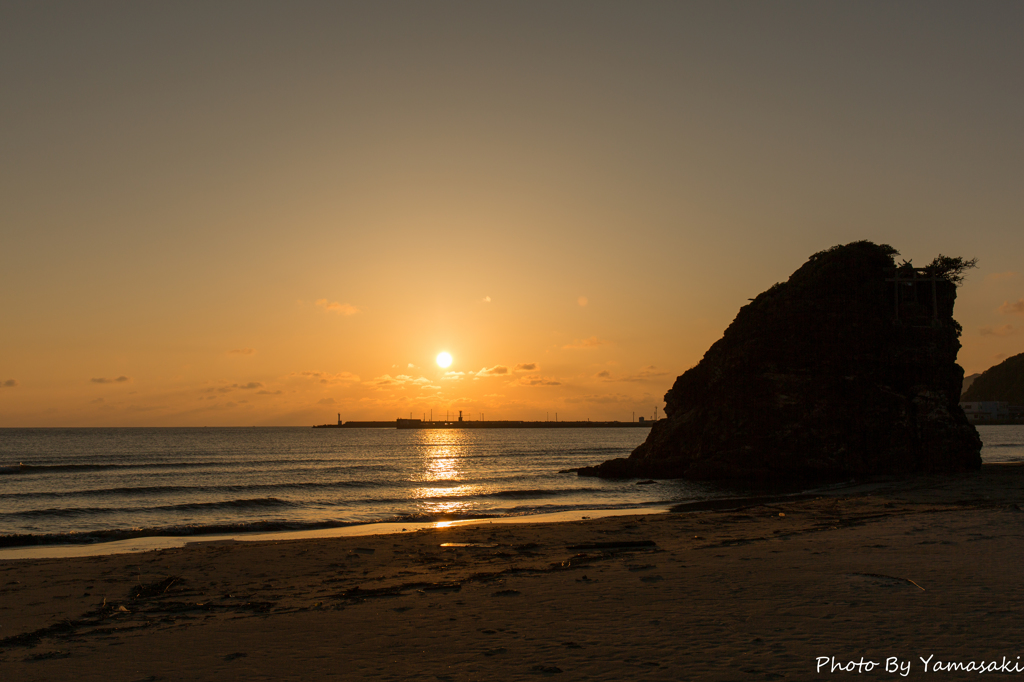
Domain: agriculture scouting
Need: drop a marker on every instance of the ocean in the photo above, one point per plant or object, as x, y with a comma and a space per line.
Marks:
89, 485
60, 486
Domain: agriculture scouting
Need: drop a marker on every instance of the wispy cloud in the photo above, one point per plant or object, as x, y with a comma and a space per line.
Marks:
592, 342
1005, 330
335, 307
602, 399
327, 377
399, 381
1001, 276
228, 388
242, 351
104, 380
1015, 308
526, 367
325, 401
538, 381
277, 392
497, 370
648, 373
487, 299
9, 383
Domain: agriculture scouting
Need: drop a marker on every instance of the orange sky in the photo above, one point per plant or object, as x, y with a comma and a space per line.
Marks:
253, 213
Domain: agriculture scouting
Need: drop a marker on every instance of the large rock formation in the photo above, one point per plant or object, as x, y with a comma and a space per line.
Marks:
847, 369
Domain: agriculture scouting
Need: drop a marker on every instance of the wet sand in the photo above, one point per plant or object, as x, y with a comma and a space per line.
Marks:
888, 572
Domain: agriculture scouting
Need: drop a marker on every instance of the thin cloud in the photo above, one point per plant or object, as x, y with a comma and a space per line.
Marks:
526, 367
277, 392
592, 342
1015, 308
104, 380
327, 377
538, 381
602, 399
406, 379
335, 307
400, 380
1001, 276
242, 351
487, 299
325, 401
497, 370
10, 383
149, 408
251, 384
648, 373
1005, 330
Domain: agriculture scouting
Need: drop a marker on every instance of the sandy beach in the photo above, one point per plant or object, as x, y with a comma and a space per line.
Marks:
877, 578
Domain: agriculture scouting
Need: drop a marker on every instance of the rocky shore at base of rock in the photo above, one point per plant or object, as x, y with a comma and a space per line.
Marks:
847, 369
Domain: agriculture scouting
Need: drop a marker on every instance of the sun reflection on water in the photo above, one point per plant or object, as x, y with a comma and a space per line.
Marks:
444, 456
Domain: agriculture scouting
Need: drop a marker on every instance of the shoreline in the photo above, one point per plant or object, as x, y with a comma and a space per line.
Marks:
159, 541
150, 543
899, 568
155, 542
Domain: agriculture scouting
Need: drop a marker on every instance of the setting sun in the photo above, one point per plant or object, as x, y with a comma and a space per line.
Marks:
444, 359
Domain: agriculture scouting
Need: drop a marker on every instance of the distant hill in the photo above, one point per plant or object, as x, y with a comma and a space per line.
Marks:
968, 381
1004, 382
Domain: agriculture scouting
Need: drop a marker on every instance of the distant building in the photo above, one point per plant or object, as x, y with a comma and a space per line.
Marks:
992, 412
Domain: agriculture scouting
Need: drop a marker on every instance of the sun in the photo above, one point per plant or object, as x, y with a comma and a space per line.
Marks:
444, 359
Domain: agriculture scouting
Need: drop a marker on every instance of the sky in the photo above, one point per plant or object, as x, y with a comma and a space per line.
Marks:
257, 213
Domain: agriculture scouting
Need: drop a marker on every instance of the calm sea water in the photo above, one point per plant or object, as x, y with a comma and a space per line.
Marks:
88, 485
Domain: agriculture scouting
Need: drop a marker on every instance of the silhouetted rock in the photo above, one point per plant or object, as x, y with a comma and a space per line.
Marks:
831, 374
1004, 383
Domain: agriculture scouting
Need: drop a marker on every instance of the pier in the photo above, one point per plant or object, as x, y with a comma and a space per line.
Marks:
481, 424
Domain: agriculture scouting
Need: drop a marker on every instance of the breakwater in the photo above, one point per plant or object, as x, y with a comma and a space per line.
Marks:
483, 424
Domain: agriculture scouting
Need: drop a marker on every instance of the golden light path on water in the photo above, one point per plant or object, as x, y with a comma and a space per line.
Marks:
444, 454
